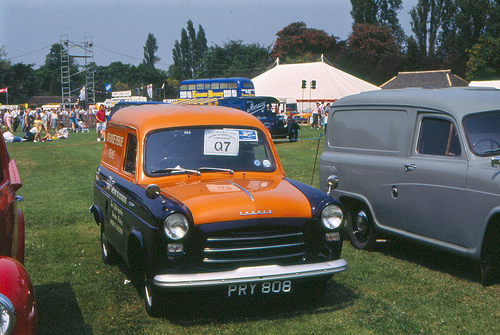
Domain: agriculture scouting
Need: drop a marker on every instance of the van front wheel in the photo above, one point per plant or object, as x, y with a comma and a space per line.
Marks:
360, 230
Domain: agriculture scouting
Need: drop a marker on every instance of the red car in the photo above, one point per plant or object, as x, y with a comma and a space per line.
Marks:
17, 297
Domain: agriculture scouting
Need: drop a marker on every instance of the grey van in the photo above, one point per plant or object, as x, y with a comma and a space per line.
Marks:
423, 164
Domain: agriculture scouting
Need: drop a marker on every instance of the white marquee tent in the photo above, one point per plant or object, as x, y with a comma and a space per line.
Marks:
285, 81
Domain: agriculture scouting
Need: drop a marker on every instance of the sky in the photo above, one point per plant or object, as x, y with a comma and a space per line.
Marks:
119, 28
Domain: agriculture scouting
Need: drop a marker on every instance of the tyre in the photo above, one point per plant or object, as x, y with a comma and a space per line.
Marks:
490, 259
153, 300
360, 229
108, 252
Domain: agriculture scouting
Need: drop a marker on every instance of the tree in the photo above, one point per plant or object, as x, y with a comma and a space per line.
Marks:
372, 53
18, 78
429, 19
484, 61
188, 53
378, 12
235, 59
296, 41
150, 58
472, 19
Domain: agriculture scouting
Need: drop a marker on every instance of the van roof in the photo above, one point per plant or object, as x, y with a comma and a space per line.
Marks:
457, 101
146, 118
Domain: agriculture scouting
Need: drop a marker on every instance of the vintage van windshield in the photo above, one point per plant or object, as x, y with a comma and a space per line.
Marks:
183, 149
483, 133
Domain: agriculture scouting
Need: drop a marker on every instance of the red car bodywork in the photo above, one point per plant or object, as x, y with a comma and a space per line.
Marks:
15, 283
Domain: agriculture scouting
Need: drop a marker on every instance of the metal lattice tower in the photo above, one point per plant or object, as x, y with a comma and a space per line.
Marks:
78, 50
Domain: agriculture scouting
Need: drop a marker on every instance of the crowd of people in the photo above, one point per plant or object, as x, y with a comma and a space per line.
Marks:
39, 125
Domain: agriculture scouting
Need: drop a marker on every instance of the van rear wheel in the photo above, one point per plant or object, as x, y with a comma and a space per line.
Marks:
360, 229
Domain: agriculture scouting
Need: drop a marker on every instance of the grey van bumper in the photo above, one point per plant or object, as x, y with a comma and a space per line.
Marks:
249, 274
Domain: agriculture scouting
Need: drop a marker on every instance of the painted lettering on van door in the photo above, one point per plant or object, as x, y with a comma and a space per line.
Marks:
114, 139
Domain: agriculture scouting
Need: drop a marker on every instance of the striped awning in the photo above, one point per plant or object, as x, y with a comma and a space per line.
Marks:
197, 101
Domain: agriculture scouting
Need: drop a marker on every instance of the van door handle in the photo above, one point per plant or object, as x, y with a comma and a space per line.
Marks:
410, 167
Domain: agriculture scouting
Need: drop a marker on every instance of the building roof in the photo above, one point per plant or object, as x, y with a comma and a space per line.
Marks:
285, 81
438, 78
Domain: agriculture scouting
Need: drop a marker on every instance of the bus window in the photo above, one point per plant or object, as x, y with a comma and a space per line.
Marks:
216, 88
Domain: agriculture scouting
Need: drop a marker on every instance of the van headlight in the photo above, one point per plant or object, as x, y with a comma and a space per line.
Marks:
176, 226
332, 217
7, 315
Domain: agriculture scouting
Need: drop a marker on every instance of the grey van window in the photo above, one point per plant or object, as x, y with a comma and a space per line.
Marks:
438, 137
369, 130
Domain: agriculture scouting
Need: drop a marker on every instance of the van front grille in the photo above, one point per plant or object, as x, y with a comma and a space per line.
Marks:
254, 248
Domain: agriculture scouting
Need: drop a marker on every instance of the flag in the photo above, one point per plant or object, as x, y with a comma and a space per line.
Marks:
108, 87
150, 91
82, 93
4, 90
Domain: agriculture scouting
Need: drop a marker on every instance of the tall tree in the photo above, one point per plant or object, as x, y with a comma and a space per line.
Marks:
472, 20
378, 12
429, 19
296, 41
188, 53
235, 59
372, 53
150, 58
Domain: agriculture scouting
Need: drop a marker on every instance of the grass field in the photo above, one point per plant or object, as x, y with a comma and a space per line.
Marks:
399, 289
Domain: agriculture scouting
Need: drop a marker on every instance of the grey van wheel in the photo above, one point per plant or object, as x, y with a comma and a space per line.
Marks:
360, 229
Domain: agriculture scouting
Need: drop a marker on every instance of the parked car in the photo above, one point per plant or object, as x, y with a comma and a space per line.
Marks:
17, 297
303, 117
195, 197
422, 164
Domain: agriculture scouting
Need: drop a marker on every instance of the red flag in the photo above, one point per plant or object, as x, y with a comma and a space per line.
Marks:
3, 90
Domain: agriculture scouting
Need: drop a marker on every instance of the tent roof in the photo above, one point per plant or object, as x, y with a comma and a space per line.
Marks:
285, 81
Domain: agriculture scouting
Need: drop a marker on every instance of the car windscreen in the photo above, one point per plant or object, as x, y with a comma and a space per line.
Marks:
207, 149
483, 133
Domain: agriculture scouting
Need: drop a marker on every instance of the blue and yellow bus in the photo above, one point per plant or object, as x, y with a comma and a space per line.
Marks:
218, 88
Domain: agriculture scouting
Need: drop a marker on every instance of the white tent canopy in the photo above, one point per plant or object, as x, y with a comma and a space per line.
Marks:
285, 81
485, 83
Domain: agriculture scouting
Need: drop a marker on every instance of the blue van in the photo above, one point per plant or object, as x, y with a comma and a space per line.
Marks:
267, 110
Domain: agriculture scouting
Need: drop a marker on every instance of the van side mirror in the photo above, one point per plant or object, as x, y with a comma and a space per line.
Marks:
495, 161
153, 191
333, 182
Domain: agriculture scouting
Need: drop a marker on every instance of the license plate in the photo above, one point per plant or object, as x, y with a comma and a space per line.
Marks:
260, 288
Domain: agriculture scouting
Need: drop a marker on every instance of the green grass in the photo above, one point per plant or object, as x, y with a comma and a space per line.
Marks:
399, 289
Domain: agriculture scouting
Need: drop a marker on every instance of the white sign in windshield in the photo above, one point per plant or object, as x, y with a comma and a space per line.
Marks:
220, 142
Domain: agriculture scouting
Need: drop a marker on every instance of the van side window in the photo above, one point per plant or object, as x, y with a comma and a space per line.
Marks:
438, 137
130, 154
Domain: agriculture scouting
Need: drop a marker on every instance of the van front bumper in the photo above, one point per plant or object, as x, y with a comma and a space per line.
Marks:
249, 274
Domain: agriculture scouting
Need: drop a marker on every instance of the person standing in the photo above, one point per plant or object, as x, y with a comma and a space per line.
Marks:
100, 126
316, 115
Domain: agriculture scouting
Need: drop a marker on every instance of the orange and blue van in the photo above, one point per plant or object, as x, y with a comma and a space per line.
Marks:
195, 197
